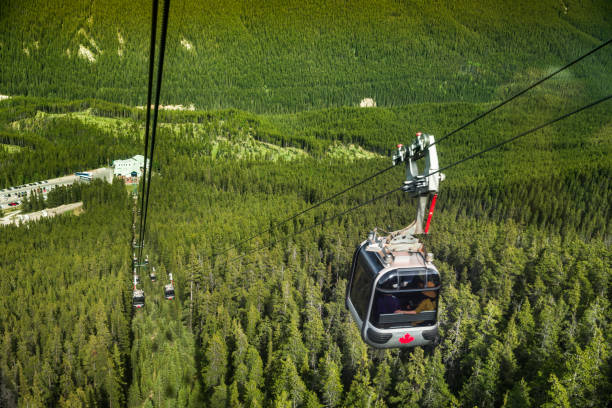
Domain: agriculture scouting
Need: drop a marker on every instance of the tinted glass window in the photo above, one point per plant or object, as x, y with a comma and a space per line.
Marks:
411, 281
389, 281
413, 301
407, 309
361, 286
435, 278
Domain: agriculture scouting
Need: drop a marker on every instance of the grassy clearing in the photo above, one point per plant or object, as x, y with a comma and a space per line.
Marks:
10, 148
115, 126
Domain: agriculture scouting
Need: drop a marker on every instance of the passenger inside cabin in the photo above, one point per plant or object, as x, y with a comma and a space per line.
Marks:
428, 302
388, 303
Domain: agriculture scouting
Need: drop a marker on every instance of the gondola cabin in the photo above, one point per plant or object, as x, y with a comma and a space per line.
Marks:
393, 292
393, 287
138, 298
169, 291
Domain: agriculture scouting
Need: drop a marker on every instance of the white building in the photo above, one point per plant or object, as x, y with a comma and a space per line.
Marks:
125, 168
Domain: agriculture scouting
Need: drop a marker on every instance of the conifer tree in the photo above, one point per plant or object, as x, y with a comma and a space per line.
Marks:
518, 396
218, 399
382, 380
216, 356
557, 394
361, 393
331, 386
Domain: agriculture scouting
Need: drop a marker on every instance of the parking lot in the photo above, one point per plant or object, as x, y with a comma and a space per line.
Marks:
12, 196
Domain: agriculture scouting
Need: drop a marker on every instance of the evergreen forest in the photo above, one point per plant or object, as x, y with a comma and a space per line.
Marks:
287, 56
521, 235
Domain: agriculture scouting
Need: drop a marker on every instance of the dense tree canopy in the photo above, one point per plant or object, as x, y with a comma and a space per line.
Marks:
290, 55
521, 235
525, 308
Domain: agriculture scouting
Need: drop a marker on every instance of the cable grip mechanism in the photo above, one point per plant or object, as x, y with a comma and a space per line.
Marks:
421, 185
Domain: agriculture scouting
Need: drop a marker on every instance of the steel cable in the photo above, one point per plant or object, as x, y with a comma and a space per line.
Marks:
477, 118
160, 69
147, 121
495, 146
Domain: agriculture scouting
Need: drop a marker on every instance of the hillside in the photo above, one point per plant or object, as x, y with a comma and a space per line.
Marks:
521, 235
525, 318
287, 56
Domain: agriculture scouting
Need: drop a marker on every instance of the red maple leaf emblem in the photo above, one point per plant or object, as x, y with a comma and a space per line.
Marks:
406, 339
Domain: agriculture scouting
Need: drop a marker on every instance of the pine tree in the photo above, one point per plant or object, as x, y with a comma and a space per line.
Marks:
218, 399
234, 397
586, 372
239, 356
557, 394
382, 379
361, 393
331, 386
282, 401
114, 379
436, 392
286, 379
216, 355
518, 396
481, 388
409, 390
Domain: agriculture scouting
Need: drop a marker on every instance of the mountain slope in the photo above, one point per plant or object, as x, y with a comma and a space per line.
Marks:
285, 56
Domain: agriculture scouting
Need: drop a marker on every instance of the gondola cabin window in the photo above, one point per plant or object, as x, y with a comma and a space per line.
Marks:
405, 297
361, 286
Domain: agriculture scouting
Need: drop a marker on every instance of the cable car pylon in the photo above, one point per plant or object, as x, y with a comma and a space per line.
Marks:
393, 288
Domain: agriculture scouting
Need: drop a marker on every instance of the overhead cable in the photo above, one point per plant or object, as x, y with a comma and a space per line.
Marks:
546, 78
308, 209
160, 69
147, 121
495, 146
477, 118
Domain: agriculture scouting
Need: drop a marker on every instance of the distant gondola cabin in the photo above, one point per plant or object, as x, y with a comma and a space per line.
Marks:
169, 291
138, 298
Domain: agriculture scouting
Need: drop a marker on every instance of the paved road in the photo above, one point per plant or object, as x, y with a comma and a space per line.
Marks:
16, 194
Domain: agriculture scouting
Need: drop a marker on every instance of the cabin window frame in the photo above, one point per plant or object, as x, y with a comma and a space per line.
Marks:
406, 320
369, 270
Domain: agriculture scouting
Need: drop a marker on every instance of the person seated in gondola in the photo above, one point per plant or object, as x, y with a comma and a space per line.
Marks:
408, 302
388, 303
427, 303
